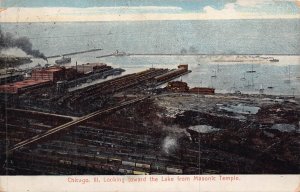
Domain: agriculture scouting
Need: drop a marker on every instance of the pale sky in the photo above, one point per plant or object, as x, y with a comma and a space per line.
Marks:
132, 10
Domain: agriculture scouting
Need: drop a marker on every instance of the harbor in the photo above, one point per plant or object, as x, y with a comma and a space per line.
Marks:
93, 118
119, 105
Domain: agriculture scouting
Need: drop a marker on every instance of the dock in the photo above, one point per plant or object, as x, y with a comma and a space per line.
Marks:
74, 53
109, 55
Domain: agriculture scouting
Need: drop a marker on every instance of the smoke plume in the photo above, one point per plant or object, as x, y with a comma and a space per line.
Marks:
7, 40
14, 51
169, 144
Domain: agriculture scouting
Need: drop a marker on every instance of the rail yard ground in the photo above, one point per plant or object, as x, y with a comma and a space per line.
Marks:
127, 125
166, 133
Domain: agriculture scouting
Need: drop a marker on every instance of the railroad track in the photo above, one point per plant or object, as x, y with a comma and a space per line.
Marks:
114, 85
72, 123
41, 113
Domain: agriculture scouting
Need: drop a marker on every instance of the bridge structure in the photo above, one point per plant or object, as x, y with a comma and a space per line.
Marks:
73, 123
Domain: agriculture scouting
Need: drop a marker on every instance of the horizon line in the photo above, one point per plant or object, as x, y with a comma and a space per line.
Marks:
145, 20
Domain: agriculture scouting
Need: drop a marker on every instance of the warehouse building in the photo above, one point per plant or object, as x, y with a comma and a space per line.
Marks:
22, 86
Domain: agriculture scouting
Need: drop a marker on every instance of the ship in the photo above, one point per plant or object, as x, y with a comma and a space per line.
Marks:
251, 71
261, 89
119, 53
274, 60
63, 60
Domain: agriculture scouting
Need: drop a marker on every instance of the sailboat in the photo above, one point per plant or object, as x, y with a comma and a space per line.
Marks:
261, 89
288, 80
234, 86
251, 71
293, 89
219, 68
270, 87
243, 78
215, 75
211, 83
248, 85
252, 83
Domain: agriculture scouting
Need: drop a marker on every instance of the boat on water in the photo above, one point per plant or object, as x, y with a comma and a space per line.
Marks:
244, 78
215, 75
261, 89
119, 53
63, 60
248, 85
289, 75
274, 60
251, 71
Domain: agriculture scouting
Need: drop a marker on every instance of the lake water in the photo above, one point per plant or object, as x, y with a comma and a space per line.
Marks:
207, 37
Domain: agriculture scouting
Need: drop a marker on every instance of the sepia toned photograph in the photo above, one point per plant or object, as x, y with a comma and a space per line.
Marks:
180, 91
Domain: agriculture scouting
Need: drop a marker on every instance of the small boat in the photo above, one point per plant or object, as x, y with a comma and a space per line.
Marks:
289, 79
219, 68
251, 71
118, 53
234, 86
261, 89
270, 86
243, 78
215, 75
63, 60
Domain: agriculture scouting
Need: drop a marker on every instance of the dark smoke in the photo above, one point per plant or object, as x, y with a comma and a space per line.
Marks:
7, 40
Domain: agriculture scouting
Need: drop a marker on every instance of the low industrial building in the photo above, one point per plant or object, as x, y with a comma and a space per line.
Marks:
53, 74
172, 74
91, 67
22, 86
177, 86
181, 87
11, 77
202, 90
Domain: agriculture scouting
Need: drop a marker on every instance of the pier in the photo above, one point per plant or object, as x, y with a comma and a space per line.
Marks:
74, 53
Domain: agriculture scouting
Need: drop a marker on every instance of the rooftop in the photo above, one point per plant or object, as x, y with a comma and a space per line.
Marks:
24, 83
50, 69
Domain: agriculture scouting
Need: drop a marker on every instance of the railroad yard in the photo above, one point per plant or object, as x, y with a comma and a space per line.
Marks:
126, 125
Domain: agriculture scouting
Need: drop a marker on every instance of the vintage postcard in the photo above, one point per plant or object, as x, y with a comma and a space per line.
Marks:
149, 95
